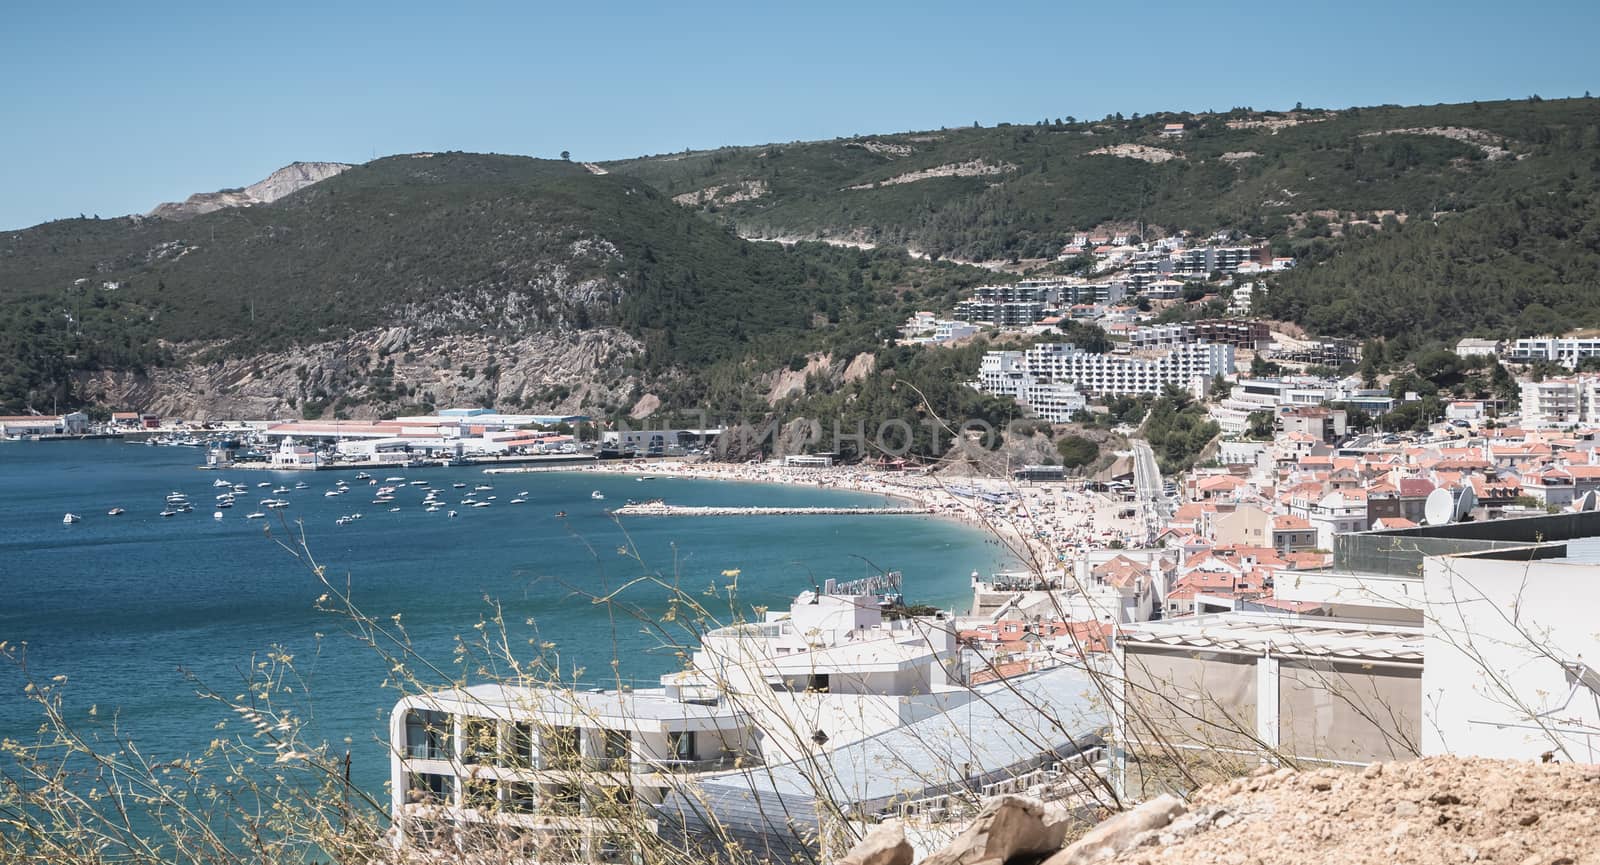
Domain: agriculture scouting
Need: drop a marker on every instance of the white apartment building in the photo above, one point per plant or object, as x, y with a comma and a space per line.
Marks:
1563, 350
1005, 373
1186, 366
1561, 402
562, 771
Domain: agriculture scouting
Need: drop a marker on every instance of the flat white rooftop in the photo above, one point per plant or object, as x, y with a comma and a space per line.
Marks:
1257, 633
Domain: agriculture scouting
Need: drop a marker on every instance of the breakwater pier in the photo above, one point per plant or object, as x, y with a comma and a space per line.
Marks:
661, 509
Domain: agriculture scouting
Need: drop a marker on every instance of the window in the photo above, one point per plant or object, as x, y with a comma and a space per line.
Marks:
428, 735
517, 746
521, 798
681, 744
477, 740
615, 750
560, 748
818, 682
430, 789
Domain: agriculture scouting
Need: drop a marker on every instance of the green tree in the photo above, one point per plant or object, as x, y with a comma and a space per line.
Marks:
1077, 451
1262, 425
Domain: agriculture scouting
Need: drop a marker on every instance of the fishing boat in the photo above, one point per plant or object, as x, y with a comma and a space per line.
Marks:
597, 495
115, 512
71, 518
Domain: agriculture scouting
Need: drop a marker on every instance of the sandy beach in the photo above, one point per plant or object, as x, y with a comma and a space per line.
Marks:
1044, 525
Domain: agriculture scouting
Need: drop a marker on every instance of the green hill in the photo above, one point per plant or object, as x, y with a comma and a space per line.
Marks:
1416, 224
1255, 171
446, 243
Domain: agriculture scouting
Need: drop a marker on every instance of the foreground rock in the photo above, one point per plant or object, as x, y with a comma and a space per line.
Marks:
1430, 812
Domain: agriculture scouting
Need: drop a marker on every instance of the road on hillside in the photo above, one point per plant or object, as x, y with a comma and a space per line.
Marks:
1147, 489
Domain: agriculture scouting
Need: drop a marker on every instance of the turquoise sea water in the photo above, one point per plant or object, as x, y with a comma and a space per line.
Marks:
120, 604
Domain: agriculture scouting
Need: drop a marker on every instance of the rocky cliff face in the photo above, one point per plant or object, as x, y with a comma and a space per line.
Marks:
384, 371
290, 178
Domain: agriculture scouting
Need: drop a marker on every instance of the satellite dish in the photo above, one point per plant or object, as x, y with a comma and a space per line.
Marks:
1448, 506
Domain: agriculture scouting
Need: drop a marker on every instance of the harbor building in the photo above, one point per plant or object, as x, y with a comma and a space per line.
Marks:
25, 426
566, 770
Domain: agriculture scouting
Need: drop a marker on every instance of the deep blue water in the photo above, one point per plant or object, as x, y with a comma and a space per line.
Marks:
119, 604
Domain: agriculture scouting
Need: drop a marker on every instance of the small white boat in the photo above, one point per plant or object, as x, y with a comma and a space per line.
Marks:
276, 505
301, 485
523, 494
216, 515
483, 487
264, 484
219, 482
392, 510
432, 508
419, 483
255, 516
331, 493
452, 514
517, 501
361, 476
480, 504
71, 518
280, 491
355, 516
225, 504
240, 488
458, 486
394, 480
115, 512
169, 512
597, 495
342, 521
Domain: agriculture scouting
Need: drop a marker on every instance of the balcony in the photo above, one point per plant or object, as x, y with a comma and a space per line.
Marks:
721, 762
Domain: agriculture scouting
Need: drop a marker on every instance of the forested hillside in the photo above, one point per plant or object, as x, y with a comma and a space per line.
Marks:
1027, 185
1415, 224
447, 243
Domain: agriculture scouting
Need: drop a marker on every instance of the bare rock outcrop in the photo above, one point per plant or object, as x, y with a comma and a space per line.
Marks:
371, 373
290, 178
1435, 811
886, 844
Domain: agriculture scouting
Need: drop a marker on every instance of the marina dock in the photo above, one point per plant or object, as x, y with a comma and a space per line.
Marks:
659, 509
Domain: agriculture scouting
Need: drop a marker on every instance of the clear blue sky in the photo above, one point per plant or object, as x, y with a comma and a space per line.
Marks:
111, 107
